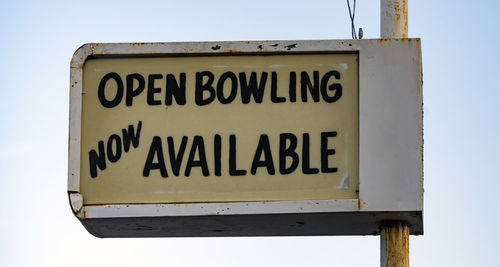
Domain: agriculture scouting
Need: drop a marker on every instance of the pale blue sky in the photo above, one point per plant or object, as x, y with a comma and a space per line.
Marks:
460, 45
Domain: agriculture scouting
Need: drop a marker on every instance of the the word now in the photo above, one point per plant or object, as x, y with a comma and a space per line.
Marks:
262, 158
113, 150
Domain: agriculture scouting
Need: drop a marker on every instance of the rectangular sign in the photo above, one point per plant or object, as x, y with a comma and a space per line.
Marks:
319, 137
219, 128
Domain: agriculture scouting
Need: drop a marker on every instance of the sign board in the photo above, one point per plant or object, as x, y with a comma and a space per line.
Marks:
246, 138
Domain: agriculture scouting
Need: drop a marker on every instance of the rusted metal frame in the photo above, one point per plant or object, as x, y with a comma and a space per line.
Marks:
365, 48
210, 48
96, 50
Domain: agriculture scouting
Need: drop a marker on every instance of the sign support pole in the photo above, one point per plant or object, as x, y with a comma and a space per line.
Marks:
393, 19
394, 236
395, 245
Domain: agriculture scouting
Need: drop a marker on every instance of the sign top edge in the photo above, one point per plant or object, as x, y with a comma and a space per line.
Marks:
225, 47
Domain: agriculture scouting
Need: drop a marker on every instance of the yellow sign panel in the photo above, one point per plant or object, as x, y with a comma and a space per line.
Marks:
219, 129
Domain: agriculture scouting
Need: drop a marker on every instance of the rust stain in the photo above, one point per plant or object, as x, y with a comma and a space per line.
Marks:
98, 205
397, 13
359, 204
396, 244
405, 17
397, 10
383, 41
234, 51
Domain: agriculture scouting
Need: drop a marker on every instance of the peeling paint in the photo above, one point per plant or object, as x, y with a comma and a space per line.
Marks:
290, 47
76, 201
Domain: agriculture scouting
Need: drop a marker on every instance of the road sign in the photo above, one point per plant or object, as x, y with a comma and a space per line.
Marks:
246, 138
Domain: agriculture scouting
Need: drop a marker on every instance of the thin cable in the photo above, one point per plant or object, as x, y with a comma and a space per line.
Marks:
351, 15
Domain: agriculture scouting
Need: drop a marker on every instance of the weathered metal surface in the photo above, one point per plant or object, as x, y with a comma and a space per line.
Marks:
394, 245
76, 202
289, 224
390, 148
202, 209
394, 18
74, 129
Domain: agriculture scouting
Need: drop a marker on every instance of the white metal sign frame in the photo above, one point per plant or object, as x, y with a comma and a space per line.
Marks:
390, 151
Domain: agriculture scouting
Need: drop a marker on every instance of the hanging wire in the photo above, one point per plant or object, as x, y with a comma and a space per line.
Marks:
351, 15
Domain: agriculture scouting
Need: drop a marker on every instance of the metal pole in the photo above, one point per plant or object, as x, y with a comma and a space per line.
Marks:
393, 18
394, 236
395, 245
